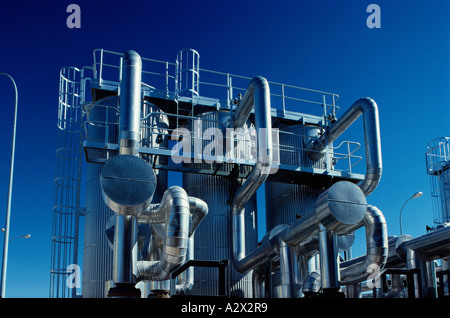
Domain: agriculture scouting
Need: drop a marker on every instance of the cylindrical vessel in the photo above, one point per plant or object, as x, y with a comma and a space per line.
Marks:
444, 188
212, 238
102, 126
286, 202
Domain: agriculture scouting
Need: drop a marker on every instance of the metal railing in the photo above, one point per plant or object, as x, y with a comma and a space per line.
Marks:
102, 124
437, 164
163, 78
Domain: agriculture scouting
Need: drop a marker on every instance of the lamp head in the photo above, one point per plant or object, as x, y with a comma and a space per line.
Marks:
416, 195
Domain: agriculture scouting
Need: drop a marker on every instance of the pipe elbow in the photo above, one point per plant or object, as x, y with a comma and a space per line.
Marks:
377, 249
199, 210
366, 104
259, 82
367, 107
175, 208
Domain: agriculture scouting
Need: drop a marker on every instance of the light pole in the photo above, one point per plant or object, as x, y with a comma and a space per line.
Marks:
8, 204
20, 236
415, 195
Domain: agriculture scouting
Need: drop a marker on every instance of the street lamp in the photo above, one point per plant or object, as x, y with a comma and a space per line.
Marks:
8, 204
20, 236
415, 195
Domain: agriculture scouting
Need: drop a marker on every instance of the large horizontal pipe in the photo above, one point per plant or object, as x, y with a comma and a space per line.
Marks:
369, 109
339, 209
430, 246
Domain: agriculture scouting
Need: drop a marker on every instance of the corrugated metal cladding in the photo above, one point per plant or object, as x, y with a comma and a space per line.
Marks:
212, 239
444, 186
98, 254
286, 202
97, 259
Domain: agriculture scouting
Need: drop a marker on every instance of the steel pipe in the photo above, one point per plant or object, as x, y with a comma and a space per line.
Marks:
130, 104
175, 207
369, 109
377, 249
339, 209
257, 97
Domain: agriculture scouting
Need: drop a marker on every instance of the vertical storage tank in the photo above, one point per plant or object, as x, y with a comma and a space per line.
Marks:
438, 167
212, 240
286, 202
97, 259
102, 126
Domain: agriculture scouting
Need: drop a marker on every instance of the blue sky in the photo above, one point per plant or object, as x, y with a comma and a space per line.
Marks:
322, 44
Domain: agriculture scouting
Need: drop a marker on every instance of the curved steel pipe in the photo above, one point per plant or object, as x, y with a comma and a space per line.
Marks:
154, 214
312, 284
175, 207
374, 166
377, 249
158, 214
257, 97
186, 280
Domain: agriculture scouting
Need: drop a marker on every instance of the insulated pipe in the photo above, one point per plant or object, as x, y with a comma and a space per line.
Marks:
329, 276
186, 281
369, 109
129, 135
377, 249
287, 271
338, 209
258, 276
154, 214
175, 206
418, 251
312, 284
257, 97
198, 210
130, 104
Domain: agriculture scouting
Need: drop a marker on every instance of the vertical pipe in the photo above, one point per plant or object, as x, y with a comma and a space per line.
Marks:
257, 96
129, 136
287, 271
130, 104
328, 259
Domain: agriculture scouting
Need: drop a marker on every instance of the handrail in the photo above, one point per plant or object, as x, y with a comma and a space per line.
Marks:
345, 156
226, 82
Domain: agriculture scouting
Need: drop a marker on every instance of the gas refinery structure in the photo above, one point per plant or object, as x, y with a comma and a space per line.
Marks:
159, 165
